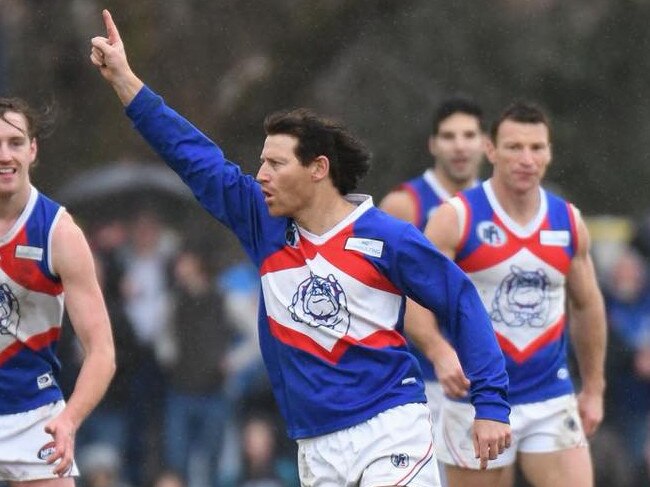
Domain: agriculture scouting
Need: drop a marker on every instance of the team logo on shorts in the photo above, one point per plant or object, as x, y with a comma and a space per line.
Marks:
570, 423
399, 460
522, 299
46, 450
320, 301
9, 316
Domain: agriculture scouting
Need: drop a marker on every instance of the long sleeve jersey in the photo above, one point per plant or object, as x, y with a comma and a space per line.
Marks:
332, 306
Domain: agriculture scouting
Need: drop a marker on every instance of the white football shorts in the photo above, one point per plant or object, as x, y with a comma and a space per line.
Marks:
539, 427
393, 448
25, 446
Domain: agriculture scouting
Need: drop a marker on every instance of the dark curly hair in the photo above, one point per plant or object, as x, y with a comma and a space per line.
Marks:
317, 136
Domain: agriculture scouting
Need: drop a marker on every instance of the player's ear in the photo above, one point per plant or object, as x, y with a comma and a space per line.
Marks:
490, 149
432, 145
33, 151
320, 168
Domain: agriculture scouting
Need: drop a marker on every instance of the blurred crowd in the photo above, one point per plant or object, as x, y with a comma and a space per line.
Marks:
190, 404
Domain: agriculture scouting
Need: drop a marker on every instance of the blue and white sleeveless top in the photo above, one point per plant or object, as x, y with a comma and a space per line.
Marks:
520, 273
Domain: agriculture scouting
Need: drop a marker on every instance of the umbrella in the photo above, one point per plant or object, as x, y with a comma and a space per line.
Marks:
118, 189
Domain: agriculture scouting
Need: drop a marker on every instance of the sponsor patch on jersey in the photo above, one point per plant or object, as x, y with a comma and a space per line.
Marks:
409, 380
368, 246
555, 238
46, 450
27, 252
45, 380
491, 234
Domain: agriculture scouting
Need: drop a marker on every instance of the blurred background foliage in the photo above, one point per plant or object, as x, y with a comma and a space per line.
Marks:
379, 65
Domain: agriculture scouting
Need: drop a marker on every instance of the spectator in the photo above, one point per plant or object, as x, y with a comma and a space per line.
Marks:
146, 293
197, 407
100, 466
261, 464
627, 298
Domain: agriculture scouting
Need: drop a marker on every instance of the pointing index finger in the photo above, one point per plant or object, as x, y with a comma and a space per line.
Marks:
111, 29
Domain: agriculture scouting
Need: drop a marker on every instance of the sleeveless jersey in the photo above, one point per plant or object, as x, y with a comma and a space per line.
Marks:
520, 274
332, 306
31, 309
427, 194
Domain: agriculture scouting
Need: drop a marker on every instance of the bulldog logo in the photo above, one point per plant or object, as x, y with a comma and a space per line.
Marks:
9, 316
522, 299
320, 302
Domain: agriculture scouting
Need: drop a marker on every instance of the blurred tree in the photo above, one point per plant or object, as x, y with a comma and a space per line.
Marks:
379, 65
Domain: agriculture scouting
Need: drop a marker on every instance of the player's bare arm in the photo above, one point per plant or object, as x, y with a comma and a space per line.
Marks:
421, 326
423, 329
443, 230
490, 437
73, 262
588, 331
108, 54
400, 204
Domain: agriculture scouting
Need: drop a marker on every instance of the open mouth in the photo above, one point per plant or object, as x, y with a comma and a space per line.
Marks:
267, 194
7, 170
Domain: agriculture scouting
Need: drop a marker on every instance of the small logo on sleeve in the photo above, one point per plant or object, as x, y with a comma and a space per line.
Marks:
368, 246
27, 252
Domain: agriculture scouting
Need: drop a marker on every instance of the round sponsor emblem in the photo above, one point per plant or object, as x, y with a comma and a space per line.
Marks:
46, 450
491, 234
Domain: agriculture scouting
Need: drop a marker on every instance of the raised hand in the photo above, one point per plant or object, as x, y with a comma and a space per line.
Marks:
109, 55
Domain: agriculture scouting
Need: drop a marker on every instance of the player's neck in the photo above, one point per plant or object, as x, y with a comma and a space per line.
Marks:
11, 207
324, 213
521, 206
450, 185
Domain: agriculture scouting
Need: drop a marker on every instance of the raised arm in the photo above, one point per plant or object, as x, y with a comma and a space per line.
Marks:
588, 331
73, 262
108, 54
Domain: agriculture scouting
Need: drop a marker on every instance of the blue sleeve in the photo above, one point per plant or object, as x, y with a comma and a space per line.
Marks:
435, 282
233, 198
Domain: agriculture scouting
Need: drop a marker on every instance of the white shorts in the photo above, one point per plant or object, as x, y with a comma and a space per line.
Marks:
435, 396
24, 444
393, 448
538, 427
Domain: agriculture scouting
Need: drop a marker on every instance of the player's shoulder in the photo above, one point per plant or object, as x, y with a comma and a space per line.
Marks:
382, 224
